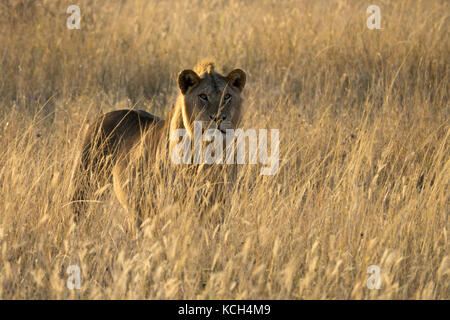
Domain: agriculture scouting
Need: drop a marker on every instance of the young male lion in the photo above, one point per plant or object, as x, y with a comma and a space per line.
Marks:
121, 139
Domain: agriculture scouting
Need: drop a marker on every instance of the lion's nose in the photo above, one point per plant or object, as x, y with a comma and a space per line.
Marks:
218, 119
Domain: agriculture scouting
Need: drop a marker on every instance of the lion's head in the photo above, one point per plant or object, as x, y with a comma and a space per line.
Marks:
211, 98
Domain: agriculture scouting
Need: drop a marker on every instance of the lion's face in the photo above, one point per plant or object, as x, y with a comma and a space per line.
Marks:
211, 98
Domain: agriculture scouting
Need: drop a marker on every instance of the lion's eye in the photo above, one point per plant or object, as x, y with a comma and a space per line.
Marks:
203, 97
227, 96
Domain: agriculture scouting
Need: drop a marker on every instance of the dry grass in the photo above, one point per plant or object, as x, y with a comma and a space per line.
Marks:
364, 137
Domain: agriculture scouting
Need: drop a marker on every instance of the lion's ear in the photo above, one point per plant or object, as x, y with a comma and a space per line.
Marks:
237, 79
186, 80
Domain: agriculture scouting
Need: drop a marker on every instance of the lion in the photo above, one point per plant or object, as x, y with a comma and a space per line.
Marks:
117, 140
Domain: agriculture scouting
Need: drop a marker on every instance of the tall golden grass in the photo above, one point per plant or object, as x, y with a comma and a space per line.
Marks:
364, 146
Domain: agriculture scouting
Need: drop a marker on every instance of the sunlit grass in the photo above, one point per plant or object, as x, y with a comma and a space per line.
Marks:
364, 146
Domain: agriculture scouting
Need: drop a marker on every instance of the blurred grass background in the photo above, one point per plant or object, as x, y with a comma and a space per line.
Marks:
364, 137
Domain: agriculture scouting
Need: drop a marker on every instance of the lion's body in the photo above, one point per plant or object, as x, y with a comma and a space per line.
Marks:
119, 139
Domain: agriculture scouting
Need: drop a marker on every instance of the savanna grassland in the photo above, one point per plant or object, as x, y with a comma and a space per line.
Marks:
364, 150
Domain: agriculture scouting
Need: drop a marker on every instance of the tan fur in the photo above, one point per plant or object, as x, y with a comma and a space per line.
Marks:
206, 65
119, 139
